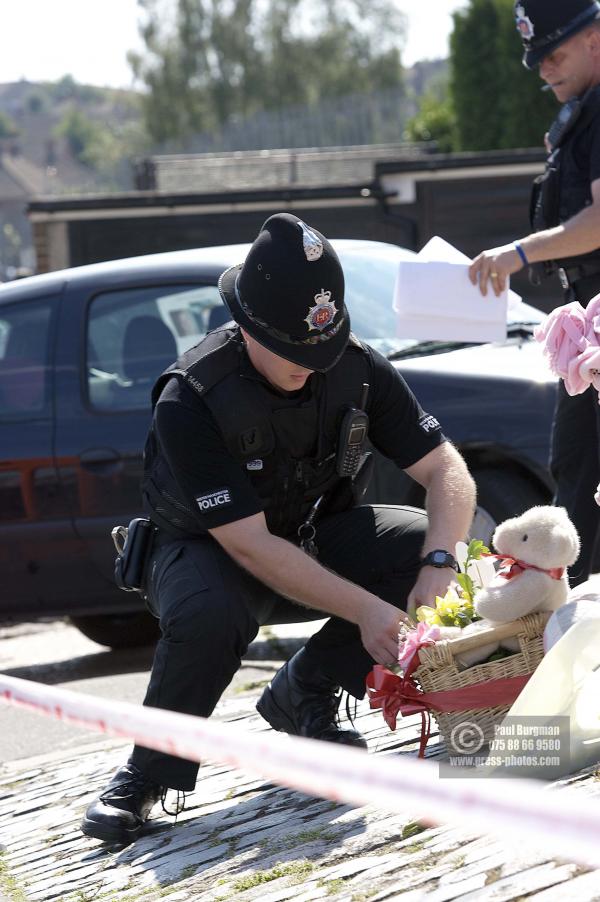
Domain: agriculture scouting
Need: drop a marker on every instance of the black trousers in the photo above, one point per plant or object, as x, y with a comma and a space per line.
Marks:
210, 610
575, 453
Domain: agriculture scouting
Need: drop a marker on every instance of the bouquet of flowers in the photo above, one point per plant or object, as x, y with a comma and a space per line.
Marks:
394, 689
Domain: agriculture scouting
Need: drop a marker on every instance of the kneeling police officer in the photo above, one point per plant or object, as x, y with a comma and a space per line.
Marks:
252, 481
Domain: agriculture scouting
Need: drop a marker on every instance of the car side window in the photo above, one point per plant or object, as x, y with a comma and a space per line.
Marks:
24, 363
135, 334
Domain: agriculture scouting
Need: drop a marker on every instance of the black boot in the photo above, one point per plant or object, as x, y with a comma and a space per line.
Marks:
303, 701
119, 813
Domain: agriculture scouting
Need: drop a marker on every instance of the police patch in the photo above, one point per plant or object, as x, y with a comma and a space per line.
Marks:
215, 499
428, 423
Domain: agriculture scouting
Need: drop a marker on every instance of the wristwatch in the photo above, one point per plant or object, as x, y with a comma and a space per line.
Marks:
439, 558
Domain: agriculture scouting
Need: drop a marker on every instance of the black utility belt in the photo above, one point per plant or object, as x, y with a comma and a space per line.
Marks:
568, 275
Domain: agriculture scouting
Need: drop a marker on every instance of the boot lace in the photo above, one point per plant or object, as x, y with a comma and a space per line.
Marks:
325, 712
179, 803
351, 709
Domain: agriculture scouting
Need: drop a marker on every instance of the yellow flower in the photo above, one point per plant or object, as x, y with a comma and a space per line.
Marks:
428, 615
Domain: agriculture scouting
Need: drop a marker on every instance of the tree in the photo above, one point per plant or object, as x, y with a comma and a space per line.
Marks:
497, 102
8, 129
80, 133
435, 122
216, 60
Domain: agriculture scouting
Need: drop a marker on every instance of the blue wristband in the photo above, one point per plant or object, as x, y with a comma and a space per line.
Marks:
521, 253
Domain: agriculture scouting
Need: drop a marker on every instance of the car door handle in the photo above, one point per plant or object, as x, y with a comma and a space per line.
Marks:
101, 461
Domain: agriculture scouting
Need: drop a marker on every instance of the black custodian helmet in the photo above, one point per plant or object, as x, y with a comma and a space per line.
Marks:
544, 24
289, 294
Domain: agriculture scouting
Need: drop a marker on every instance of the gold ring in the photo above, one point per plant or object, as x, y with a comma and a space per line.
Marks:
494, 275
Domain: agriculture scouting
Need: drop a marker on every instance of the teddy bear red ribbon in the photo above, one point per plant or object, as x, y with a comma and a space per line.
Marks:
511, 567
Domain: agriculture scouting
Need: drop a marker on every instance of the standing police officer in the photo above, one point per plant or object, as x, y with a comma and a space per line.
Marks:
251, 480
562, 39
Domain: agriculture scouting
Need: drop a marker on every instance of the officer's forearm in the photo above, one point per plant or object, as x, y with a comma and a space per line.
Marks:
295, 575
451, 496
578, 235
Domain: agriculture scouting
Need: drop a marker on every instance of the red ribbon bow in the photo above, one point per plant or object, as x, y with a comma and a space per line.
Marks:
511, 567
396, 694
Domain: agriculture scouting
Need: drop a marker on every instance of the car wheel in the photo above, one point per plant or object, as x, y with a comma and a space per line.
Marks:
502, 494
129, 630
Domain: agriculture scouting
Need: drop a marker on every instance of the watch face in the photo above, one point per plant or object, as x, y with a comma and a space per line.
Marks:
439, 557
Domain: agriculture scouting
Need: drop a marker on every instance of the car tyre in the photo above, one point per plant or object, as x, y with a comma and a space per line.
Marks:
130, 630
502, 494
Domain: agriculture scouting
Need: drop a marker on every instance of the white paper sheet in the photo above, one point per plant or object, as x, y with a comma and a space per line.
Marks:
441, 250
435, 300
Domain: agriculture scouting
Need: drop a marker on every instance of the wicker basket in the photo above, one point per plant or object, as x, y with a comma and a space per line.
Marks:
438, 669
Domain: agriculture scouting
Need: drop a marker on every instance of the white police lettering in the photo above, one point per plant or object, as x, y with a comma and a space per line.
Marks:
427, 422
254, 464
214, 499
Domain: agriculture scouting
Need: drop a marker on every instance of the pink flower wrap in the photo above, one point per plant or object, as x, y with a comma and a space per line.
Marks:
416, 639
570, 336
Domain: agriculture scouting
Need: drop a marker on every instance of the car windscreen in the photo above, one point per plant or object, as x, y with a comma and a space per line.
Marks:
370, 272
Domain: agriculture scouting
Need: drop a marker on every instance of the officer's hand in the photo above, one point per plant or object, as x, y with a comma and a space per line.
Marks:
432, 581
495, 266
379, 626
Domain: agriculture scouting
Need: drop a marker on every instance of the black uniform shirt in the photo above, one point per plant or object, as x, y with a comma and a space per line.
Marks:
214, 483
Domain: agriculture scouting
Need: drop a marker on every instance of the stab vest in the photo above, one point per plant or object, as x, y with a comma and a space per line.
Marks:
558, 194
286, 446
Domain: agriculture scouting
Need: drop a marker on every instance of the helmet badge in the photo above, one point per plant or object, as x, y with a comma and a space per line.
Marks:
323, 312
524, 23
312, 244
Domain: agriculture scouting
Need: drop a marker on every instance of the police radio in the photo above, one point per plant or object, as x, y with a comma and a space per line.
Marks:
354, 430
567, 117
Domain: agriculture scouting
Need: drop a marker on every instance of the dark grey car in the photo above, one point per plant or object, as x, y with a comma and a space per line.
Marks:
79, 351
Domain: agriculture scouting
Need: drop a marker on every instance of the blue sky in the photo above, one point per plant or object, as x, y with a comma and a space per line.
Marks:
89, 39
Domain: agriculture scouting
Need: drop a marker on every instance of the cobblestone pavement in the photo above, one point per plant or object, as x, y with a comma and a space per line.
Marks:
242, 838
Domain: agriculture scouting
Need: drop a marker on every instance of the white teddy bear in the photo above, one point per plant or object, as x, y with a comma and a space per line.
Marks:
537, 547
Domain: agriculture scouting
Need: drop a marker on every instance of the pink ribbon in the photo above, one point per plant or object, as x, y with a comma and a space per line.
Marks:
424, 634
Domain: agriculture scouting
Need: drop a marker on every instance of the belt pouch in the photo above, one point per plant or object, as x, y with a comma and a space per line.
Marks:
133, 554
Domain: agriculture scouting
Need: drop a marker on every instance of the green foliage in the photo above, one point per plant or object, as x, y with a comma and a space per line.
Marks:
80, 133
97, 145
435, 122
475, 550
413, 828
497, 102
214, 61
8, 129
296, 870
